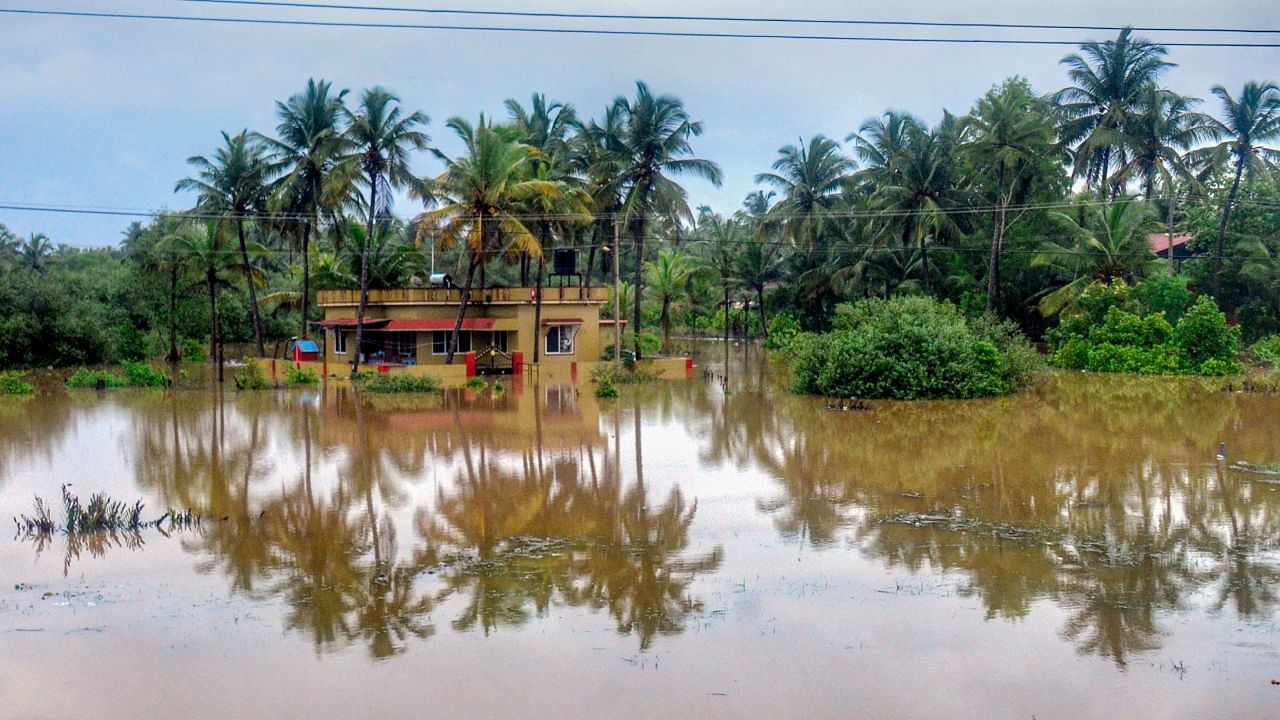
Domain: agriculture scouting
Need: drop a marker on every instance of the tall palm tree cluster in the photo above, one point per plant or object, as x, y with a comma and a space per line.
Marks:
1011, 208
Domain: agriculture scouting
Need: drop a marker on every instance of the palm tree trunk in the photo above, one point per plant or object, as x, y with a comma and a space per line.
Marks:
665, 321
1168, 227
726, 316
253, 294
212, 281
466, 294
764, 323
364, 274
537, 304
306, 276
1222, 229
173, 314
591, 255
997, 243
639, 276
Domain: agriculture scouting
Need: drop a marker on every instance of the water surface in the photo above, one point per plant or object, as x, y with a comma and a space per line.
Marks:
710, 548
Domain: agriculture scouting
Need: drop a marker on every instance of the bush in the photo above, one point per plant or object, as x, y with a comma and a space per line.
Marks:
1203, 334
405, 383
192, 350
1119, 329
1169, 294
85, 378
1267, 350
250, 377
12, 382
138, 374
910, 348
628, 375
476, 384
783, 329
300, 376
605, 389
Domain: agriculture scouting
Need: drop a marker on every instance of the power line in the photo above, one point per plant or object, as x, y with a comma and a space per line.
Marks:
716, 18
590, 31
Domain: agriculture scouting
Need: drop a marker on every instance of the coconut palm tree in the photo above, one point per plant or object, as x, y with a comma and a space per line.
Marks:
1247, 125
165, 247
34, 252
310, 155
1006, 136
915, 182
206, 249
810, 179
233, 185
1108, 82
649, 142
1156, 139
9, 246
381, 135
717, 253
482, 196
669, 276
1103, 242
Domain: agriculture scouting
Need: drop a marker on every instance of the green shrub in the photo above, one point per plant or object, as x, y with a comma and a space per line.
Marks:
250, 377
1217, 367
628, 375
1169, 294
138, 374
85, 378
605, 389
192, 350
1203, 334
1267, 350
300, 376
783, 328
476, 384
12, 382
909, 348
405, 383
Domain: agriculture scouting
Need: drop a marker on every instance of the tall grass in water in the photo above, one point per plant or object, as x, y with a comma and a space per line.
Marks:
100, 514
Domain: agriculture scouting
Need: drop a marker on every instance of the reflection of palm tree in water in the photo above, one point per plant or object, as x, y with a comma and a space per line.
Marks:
595, 544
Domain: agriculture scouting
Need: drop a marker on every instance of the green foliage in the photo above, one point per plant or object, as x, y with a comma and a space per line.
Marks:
910, 348
476, 384
138, 374
131, 343
605, 389
1113, 329
1267, 350
89, 379
192, 350
783, 329
250, 377
13, 382
300, 376
633, 374
406, 383
1169, 294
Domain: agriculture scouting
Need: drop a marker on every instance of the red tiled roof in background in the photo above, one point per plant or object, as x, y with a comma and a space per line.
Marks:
1160, 241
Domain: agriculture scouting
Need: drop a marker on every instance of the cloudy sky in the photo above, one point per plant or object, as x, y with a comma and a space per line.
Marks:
103, 113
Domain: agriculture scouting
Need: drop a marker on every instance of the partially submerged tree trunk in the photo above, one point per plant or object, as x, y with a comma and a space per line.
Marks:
253, 294
537, 304
639, 279
466, 294
306, 276
173, 355
764, 321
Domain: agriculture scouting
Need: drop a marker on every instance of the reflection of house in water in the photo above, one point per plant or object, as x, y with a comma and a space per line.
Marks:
413, 326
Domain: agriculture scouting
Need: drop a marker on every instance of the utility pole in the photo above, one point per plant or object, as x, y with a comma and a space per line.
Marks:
617, 304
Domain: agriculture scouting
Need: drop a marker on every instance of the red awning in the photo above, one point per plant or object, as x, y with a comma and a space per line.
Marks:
410, 325
441, 324
562, 321
351, 323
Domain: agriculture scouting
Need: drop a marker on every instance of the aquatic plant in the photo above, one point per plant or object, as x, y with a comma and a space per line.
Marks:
403, 383
250, 377
300, 376
605, 389
89, 379
138, 374
12, 382
100, 513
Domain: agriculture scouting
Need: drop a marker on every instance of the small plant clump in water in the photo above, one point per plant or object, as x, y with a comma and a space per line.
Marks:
634, 375
402, 383
90, 379
136, 374
476, 384
250, 377
300, 376
13, 382
100, 514
605, 389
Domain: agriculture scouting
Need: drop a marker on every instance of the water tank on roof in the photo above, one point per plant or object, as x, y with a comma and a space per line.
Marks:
443, 280
565, 261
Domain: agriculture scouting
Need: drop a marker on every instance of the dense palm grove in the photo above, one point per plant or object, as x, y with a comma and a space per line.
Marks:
1013, 209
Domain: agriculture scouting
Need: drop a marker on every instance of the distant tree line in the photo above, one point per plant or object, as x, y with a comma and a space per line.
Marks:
1012, 209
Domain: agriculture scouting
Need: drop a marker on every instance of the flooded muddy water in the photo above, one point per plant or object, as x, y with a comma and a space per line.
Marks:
695, 549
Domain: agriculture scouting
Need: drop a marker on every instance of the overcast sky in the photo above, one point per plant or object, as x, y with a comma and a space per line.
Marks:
104, 113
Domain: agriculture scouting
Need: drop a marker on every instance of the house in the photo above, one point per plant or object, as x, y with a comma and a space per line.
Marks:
413, 326
1160, 243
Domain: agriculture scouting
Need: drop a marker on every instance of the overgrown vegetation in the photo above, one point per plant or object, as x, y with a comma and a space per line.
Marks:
250, 377
100, 513
133, 374
13, 382
1114, 327
404, 383
911, 348
1267, 350
300, 376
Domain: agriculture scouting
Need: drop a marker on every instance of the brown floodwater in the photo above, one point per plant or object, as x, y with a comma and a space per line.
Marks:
707, 548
